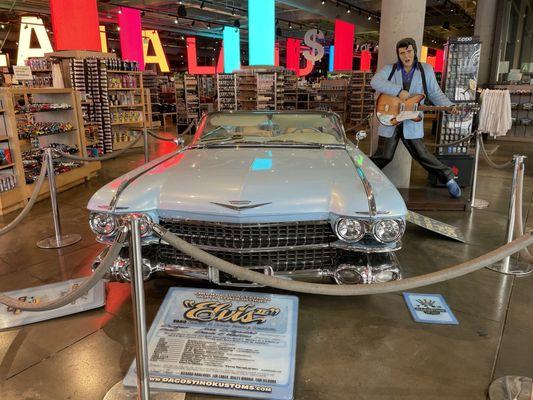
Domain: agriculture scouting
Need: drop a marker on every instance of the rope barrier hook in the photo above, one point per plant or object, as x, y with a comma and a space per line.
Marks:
508, 265
58, 240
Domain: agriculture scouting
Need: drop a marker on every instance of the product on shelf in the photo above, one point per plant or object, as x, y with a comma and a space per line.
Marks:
26, 130
361, 97
41, 107
116, 64
5, 157
226, 92
122, 82
7, 182
32, 161
124, 116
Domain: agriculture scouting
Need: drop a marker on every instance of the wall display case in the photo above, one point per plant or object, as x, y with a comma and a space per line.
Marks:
459, 82
266, 90
187, 98
286, 90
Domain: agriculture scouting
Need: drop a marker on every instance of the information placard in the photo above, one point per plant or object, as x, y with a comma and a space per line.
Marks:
10, 317
429, 308
223, 342
22, 73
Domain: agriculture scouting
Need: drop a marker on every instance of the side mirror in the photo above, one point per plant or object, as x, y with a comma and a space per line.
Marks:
360, 135
179, 141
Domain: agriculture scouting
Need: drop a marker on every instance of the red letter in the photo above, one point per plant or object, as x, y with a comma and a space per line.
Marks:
75, 25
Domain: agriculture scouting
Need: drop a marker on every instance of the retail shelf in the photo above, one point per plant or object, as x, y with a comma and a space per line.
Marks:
4, 138
124, 89
2, 110
112, 71
125, 143
7, 166
126, 106
42, 111
126, 123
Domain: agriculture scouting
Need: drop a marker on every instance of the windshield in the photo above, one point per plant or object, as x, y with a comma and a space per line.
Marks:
264, 127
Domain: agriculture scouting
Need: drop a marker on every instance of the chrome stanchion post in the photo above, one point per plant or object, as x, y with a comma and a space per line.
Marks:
477, 203
146, 149
139, 311
142, 392
58, 240
510, 265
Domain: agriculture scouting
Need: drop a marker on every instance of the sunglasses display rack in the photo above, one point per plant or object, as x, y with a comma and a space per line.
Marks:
226, 92
32, 119
459, 83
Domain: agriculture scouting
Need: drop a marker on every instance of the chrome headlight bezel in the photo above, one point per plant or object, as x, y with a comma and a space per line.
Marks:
357, 238
112, 220
400, 227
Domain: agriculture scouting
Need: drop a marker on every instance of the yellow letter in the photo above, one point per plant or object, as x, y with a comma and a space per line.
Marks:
103, 38
159, 57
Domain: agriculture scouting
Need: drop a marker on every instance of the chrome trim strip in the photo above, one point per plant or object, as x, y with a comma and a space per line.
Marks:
372, 208
126, 183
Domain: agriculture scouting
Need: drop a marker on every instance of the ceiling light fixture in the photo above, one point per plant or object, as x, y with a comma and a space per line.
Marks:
176, 21
237, 23
208, 26
323, 2
119, 11
348, 10
369, 17
118, 28
202, 5
290, 25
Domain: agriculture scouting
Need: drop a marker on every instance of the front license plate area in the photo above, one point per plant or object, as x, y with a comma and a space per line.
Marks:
224, 279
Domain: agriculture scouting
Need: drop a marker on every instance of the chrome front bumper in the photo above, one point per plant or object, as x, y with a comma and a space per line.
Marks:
378, 268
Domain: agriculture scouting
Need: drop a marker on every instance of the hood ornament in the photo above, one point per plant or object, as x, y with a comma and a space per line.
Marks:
239, 205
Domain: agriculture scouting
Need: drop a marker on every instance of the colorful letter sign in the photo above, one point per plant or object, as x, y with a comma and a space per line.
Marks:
131, 45
232, 49
159, 55
192, 62
344, 40
103, 39
366, 59
261, 32
75, 25
27, 25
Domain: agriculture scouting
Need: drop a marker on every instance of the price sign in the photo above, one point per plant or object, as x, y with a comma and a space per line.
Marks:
22, 73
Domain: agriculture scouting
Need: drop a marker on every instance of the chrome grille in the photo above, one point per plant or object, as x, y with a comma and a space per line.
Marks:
251, 236
279, 260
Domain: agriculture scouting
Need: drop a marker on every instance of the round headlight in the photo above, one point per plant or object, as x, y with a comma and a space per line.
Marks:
145, 224
103, 224
350, 229
387, 231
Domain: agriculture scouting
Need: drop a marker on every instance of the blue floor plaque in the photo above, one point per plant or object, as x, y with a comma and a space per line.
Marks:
429, 308
223, 342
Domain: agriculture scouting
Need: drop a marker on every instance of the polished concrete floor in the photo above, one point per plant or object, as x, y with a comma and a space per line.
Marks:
348, 348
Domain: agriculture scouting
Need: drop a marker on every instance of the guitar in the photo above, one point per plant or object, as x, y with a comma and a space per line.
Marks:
391, 110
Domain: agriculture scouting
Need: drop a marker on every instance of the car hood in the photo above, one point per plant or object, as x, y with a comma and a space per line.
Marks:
255, 183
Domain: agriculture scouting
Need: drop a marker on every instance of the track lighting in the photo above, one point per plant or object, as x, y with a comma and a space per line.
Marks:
323, 2
237, 23
119, 11
202, 4
2, 26
176, 21
348, 10
233, 12
143, 13
118, 28
369, 17
208, 26
290, 25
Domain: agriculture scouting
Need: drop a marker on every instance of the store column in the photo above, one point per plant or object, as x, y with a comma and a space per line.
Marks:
399, 19
486, 11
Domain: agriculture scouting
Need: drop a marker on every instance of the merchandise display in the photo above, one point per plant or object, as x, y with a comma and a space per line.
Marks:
32, 161
25, 131
41, 69
361, 97
246, 92
226, 92
187, 98
7, 182
459, 84
41, 107
89, 77
521, 112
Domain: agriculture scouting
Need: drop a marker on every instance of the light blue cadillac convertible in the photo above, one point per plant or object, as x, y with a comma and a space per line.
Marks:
284, 193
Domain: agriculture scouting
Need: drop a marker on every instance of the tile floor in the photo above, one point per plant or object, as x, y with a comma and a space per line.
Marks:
348, 348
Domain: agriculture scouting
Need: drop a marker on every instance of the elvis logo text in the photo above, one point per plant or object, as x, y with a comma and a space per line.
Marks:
208, 311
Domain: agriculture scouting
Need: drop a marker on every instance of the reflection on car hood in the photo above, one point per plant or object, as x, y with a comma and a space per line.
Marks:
257, 183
